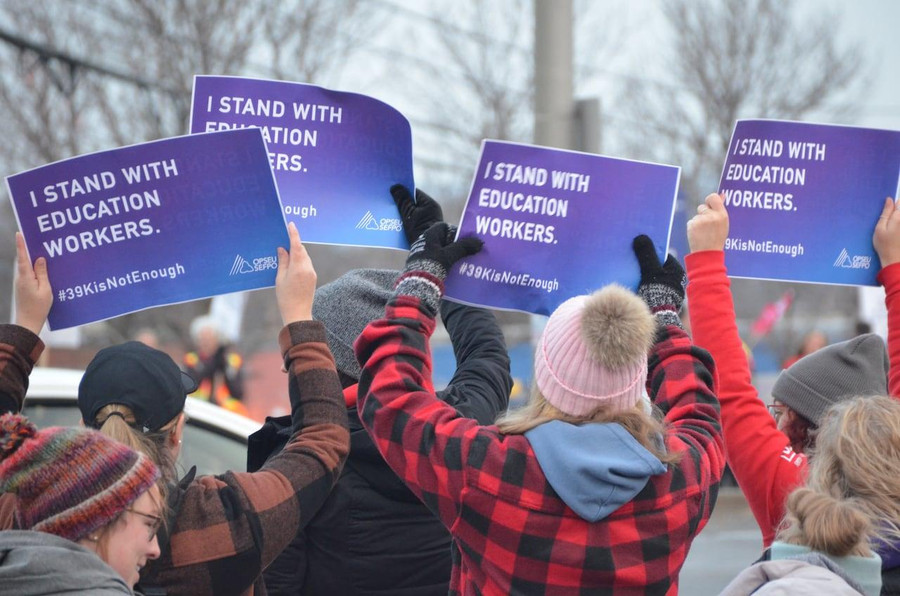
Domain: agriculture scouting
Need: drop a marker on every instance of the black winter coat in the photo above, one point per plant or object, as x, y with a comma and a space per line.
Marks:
373, 536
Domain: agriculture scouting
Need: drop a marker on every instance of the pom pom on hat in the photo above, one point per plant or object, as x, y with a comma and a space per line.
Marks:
14, 430
594, 352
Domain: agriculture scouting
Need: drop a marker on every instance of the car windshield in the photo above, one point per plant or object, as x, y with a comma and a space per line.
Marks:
210, 451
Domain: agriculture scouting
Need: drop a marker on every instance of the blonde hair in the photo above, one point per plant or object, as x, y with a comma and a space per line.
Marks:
116, 421
852, 493
648, 430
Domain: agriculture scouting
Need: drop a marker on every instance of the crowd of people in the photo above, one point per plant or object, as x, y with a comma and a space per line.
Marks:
376, 483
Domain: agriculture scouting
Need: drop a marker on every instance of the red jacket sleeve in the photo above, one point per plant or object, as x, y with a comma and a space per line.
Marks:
889, 277
760, 456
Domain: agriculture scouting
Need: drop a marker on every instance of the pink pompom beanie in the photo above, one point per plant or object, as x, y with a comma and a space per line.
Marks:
594, 352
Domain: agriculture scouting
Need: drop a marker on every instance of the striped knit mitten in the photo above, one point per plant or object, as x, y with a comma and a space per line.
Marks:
430, 258
662, 285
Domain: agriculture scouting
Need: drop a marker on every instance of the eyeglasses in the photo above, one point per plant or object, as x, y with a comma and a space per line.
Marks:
154, 527
776, 410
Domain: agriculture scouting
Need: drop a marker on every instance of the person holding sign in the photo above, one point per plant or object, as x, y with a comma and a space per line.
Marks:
769, 457
584, 489
336, 552
221, 531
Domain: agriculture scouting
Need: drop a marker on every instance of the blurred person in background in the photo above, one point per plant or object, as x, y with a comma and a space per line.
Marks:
216, 366
812, 341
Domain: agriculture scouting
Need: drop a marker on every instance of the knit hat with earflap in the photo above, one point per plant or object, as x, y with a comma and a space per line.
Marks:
594, 352
69, 481
347, 305
856, 367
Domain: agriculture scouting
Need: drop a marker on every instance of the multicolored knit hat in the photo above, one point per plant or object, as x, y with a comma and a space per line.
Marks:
594, 352
69, 481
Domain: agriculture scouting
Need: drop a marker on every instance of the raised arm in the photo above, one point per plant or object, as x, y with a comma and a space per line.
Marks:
759, 454
886, 240
681, 378
20, 346
424, 440
481, 385
261, 512
482, 382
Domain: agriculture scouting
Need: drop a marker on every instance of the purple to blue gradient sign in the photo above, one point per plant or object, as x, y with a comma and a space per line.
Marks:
335, 155
556, 224
803, 200
152, 224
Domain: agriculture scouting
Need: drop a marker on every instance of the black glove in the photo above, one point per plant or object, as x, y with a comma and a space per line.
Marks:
662, 286
417, 216
430, 258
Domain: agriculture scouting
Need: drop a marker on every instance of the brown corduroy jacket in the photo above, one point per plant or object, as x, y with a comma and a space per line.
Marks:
229, 527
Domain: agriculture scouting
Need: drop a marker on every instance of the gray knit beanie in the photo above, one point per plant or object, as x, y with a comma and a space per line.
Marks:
347, 305
857, 367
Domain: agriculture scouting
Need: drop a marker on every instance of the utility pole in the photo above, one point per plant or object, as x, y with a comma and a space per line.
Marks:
554, 104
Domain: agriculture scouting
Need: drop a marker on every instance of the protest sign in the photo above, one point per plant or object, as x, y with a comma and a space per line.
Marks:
335, 155
556, 224
152, 224
803, 200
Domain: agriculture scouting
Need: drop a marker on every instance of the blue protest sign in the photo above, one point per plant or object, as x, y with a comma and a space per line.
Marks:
556, 224
335, 155
803, 200
152, 224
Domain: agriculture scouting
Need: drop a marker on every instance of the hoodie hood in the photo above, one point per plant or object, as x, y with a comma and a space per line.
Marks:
39, 564
860, 572
594, 468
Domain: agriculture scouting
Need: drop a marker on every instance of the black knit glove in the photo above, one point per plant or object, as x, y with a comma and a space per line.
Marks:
418, 215
662, 286
430, 258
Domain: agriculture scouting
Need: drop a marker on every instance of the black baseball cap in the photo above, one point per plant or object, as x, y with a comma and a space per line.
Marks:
135, 375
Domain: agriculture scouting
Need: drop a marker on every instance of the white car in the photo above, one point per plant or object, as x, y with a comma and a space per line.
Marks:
215, 440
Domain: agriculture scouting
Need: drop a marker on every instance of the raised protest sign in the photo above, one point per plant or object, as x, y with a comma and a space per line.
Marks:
335, 154
556, 224
152, 224
803, 200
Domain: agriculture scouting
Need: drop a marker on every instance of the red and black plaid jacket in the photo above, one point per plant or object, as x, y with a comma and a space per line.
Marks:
512, 532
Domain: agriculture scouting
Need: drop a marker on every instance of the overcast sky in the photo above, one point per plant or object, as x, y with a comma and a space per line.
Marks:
874, 23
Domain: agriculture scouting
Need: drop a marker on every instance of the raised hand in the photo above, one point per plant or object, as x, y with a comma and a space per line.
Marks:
418, 215
32, 292
430, 259
295, 282
662, 284
886, 238
708, 230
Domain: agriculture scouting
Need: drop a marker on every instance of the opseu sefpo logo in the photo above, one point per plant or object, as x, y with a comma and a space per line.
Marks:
385, 224
845, 261
242, 265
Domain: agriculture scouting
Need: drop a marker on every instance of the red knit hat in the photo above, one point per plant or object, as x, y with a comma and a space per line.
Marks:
69, 481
